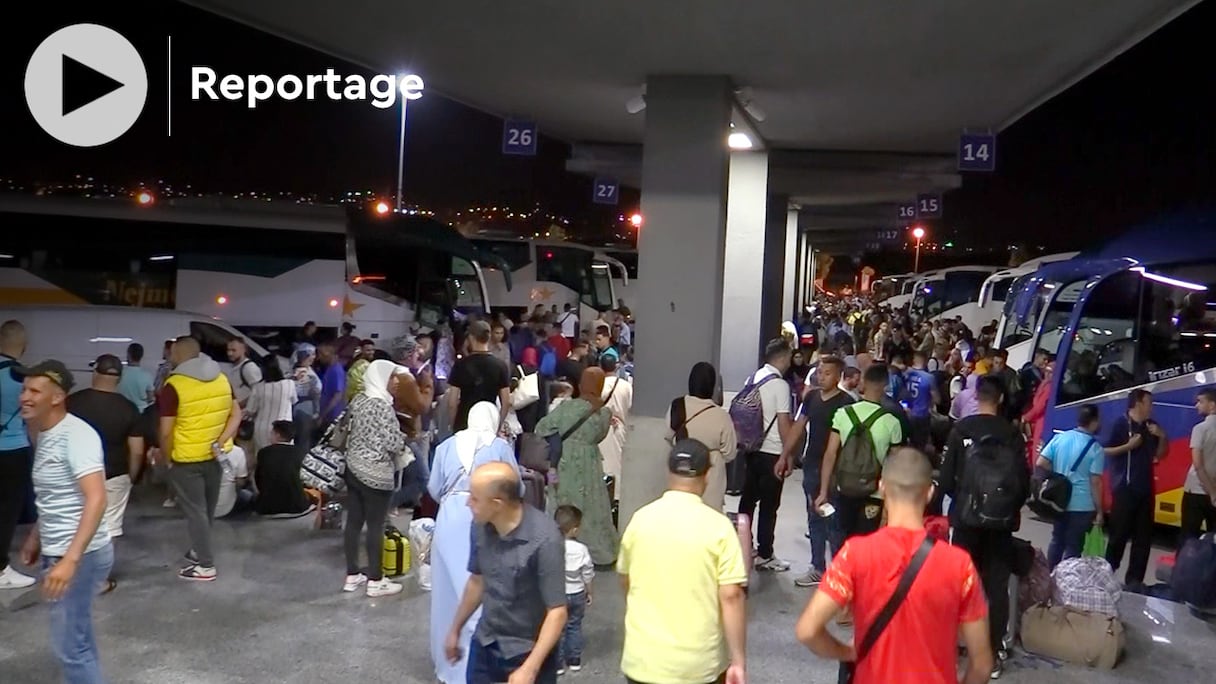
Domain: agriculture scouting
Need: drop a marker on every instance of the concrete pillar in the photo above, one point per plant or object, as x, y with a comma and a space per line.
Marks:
799, 266
789, 303
772, 264
681, 258
745, 276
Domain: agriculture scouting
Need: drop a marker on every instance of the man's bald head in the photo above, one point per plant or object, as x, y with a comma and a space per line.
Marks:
184, 349
12, 338
907, 476
498, 480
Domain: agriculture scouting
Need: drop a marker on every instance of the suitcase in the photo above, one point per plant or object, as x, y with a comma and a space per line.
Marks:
534, 487
1074, 636
743, 525
396, 556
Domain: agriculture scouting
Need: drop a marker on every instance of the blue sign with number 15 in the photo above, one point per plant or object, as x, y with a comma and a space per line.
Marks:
519, 138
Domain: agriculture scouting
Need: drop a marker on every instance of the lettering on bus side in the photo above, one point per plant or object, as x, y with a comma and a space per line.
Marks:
1167, 373
138, 294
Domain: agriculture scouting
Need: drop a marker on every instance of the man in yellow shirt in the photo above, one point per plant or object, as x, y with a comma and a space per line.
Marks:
682, 569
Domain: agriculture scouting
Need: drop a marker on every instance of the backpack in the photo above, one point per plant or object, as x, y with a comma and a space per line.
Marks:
1194, 577
548, 361
1050, 492
993, 488
747, 413
858, 468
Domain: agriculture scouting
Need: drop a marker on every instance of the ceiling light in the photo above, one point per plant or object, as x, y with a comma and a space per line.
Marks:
739, 141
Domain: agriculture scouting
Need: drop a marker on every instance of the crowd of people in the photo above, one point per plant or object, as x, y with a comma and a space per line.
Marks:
886, 417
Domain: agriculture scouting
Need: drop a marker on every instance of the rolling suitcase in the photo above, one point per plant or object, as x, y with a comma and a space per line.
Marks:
534, 488
396, 557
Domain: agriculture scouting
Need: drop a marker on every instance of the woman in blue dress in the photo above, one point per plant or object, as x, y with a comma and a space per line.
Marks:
455, 459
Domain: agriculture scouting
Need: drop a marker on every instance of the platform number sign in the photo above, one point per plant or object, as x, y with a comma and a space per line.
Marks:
977, 152
928, 206
907, 212
519, 138
606, 191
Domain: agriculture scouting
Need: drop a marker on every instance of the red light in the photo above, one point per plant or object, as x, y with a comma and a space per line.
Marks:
636, 220
144, 198
221, 300
548, 255
382, 207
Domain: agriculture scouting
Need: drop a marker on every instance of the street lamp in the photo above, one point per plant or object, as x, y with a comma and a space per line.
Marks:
918, 233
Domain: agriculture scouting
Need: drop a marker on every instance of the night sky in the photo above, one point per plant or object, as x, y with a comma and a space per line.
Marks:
1132, 141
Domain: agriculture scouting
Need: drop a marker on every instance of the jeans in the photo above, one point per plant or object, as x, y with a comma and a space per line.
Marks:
855, 516
762, 486
365, 507
1131, 519
1196, 509
1068, 535
198, 489
818, 527
992, 553
414, 477
488, 666
15, 468
570, 648
72, 637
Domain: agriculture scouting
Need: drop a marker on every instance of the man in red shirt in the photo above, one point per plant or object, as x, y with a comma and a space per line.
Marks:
561, 345
919, 644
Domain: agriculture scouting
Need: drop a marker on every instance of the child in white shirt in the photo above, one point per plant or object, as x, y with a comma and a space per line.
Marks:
579, 573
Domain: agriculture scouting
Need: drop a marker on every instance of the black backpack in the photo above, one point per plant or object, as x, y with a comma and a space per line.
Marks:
993, 489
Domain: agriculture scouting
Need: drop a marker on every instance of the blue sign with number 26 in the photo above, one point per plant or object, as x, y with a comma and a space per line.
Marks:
519, 138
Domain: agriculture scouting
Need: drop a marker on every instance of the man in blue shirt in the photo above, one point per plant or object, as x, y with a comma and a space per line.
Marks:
333, 383
16, 459
136, 383
1135, 443
921, 392
1078, 455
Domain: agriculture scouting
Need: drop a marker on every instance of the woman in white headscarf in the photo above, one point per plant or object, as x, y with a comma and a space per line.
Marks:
455, 459
375, 449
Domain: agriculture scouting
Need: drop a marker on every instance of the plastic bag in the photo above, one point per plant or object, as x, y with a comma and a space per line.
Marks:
1095, 543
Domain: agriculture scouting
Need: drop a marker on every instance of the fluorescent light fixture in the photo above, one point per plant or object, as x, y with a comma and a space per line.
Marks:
161, 257
6, 256
1170, 281
96, 340
739, 141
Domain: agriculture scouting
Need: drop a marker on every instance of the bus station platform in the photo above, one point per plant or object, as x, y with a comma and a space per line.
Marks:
277, 613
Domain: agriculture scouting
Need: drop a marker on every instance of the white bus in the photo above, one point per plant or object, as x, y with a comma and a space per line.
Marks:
952, 293
999, 285
626, 284
889, 286
260, 267
551, 274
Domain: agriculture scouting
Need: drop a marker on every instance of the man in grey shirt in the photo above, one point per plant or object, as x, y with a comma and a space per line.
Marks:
1199, 495
517, 565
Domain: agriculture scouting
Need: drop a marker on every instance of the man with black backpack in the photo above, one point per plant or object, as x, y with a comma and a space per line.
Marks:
862, 434
985, 473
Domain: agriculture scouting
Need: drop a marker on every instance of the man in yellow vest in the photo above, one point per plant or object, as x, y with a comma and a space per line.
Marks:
199, 417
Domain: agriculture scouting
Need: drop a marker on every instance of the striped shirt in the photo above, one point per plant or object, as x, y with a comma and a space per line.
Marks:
65, 453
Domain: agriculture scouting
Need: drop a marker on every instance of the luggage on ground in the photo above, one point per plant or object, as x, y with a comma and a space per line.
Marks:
396, 556
1087, 584
1074, 636
1194, 576
1034, 577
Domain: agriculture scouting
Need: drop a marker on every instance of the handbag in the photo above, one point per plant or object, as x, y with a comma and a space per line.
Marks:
325, 463
1050, 491
527, 391
550, 445
845, 675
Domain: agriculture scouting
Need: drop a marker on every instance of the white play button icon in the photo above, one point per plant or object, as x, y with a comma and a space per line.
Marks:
86, 85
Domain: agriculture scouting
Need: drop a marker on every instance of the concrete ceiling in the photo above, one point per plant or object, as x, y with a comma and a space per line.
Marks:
828, 74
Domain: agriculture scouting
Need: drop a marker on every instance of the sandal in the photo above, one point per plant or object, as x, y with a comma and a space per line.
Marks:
109, 586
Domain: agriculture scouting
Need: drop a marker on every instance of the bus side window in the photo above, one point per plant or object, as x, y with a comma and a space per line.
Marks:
1102, 357
213, 340
1178, 322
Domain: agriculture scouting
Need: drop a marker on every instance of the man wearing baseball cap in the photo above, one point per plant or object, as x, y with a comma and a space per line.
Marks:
69, 542
682, 568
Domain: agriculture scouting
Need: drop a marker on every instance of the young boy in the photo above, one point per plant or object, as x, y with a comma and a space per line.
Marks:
579, 573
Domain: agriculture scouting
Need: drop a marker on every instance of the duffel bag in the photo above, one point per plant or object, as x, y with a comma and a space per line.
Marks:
1088, 584
1074, 636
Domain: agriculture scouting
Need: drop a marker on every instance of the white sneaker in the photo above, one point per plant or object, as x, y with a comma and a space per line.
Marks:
773, 564
353, 582
383, 588
11, 579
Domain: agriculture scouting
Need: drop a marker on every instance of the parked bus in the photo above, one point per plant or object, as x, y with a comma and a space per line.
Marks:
889, 286
626, 284
950, 293
259, 267
553, 273
1142, 319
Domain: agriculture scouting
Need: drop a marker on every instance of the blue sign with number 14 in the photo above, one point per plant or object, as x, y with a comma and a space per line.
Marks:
977, 152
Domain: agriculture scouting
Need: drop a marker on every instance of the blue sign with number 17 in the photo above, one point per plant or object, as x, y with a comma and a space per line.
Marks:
519, 138
977, 152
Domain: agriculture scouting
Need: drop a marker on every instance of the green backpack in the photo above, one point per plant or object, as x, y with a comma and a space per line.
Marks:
858, 467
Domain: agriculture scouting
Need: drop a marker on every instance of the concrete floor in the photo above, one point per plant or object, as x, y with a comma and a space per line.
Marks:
277, 613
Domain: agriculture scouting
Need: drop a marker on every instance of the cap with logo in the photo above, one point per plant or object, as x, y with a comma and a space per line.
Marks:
107, 364
689, 458
50, 369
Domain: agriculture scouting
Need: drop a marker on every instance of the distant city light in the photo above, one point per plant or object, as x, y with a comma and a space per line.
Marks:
636, 220
382, 207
